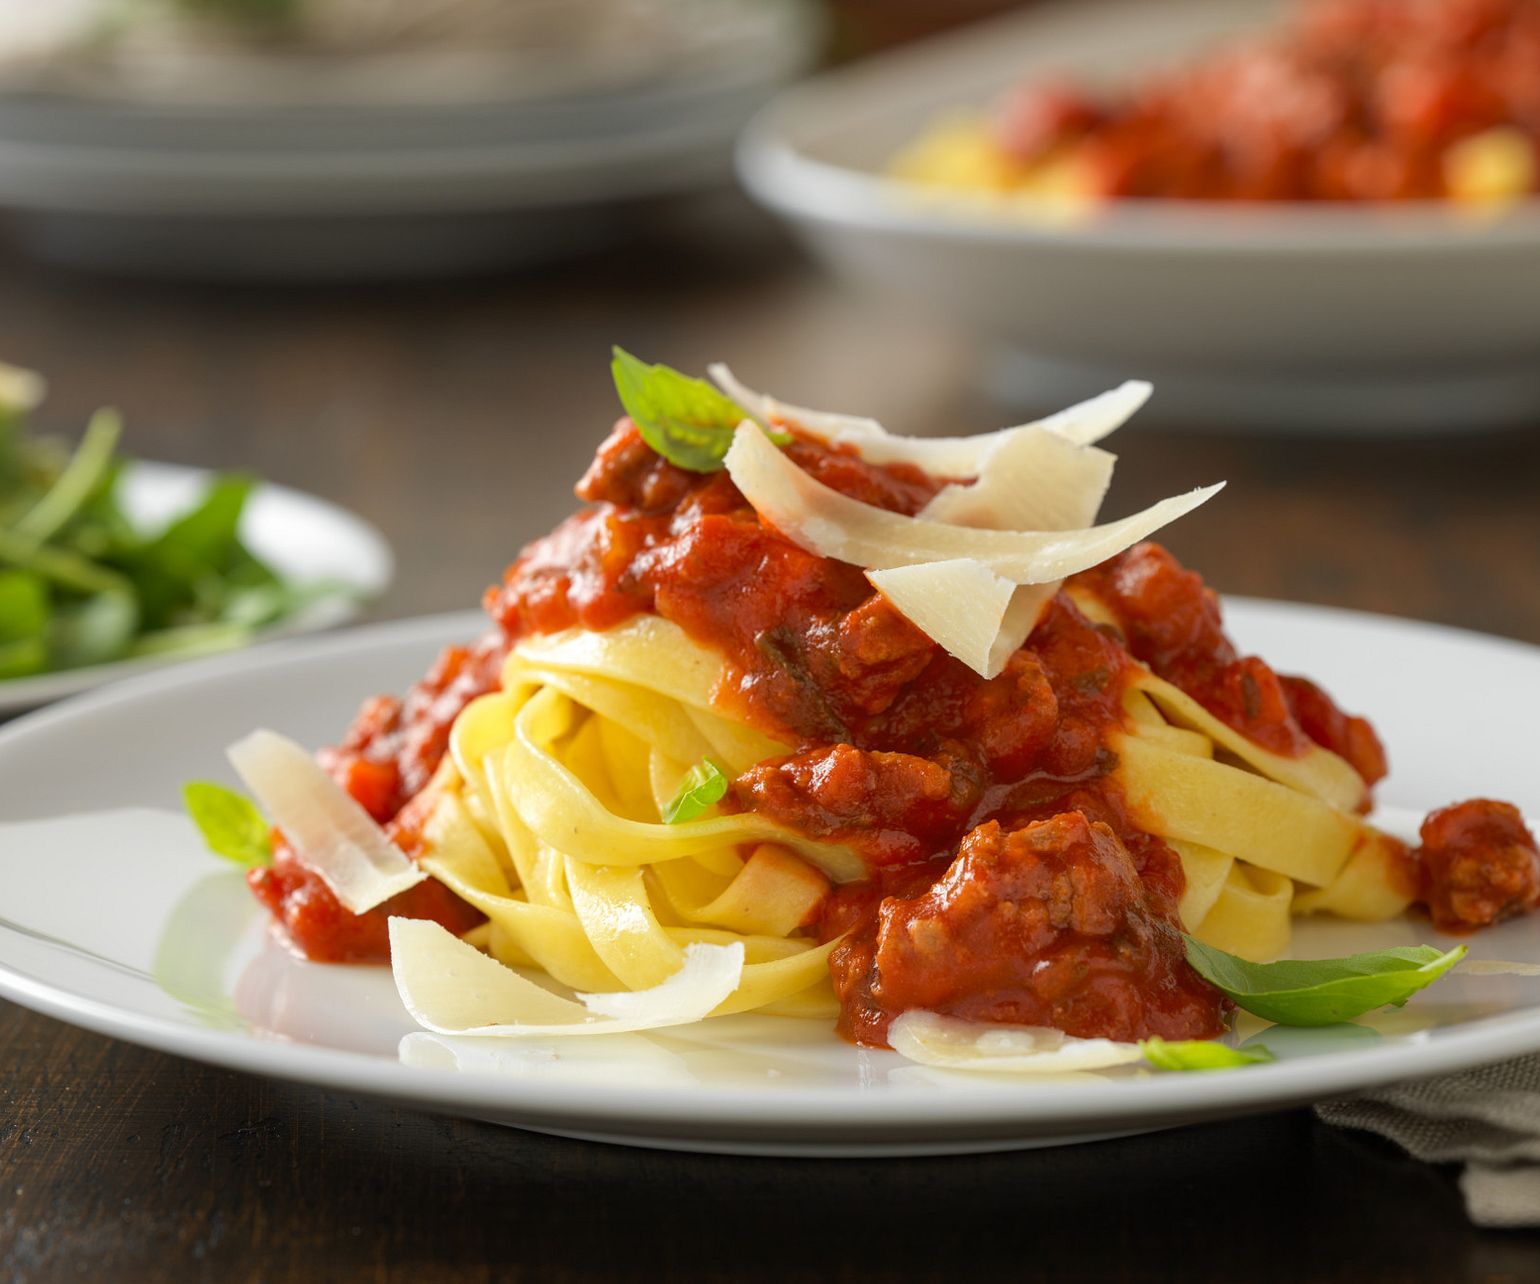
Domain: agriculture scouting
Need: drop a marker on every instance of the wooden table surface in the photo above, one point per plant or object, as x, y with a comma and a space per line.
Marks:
454, 416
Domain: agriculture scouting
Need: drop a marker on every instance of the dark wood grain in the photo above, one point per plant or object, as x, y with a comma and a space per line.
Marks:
454, 416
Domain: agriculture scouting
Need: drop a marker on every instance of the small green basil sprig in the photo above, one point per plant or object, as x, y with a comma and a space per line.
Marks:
704, 785
1201, 1054
1311, 992
685, 420
230, 823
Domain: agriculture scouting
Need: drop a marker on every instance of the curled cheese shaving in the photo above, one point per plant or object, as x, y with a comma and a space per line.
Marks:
1082, 424
929, 595
452, 988
330, 832
823, 521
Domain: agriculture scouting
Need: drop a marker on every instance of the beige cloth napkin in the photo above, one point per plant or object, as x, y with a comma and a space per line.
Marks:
1486, 1119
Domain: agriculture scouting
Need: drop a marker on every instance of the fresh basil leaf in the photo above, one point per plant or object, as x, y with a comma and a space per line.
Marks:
1322, 991
93, 631
685, 420
1201, 1054
704, 784
230, 823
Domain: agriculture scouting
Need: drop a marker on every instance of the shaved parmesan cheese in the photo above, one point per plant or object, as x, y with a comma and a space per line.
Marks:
1026, 519
452, 988
1102, 415
767, 412
1032, 480
329, 831
959, 604
1028, 603
950, 1044
1081, 425
830, 524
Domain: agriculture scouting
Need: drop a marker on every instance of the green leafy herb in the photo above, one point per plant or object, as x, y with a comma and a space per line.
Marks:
180, 571
1322, 991
80, 584
704, 784
1201, 1054
685, 420
230, 823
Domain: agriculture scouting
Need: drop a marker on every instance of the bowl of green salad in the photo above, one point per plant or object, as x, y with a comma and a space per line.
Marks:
110, 565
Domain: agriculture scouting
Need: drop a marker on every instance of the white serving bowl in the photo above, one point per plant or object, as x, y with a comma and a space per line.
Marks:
1296, 316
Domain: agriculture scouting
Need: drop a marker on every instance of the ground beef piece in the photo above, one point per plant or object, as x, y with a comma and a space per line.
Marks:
895, 808
1479, 864
1050, 924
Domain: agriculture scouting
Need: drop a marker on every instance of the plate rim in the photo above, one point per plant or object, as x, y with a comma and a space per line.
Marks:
821, 1116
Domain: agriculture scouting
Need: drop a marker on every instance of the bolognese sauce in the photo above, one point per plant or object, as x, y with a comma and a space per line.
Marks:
1007, 881
1353, 100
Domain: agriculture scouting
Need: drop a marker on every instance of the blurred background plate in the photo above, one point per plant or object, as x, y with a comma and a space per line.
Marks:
361, 172
304, 539
1285, 316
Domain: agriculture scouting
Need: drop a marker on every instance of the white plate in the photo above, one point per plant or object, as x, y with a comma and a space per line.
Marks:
304, 539
1303, 317
120, 923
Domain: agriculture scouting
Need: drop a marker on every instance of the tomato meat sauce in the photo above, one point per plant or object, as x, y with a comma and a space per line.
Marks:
1353, 100
388, 756
1006, 880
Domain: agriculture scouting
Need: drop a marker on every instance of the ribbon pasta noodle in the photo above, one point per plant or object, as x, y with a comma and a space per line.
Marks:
1281, 825
550, 824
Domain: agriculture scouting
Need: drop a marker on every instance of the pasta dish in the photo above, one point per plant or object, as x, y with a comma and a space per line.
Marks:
1351, 100
801, 717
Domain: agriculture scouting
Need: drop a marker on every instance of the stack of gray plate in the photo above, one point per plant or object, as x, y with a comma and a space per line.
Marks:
341, 180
